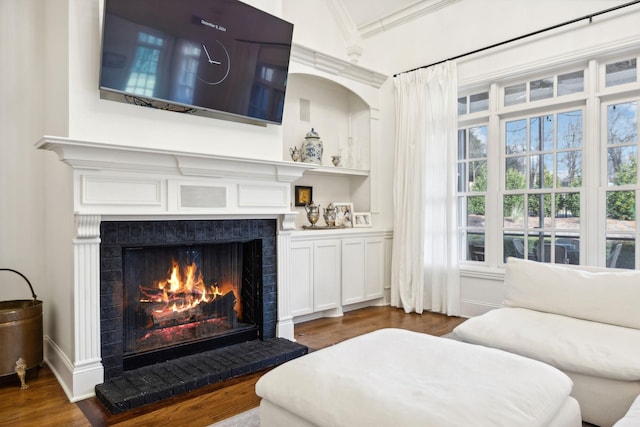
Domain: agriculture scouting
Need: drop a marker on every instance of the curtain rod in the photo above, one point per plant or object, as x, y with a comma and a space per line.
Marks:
589, 17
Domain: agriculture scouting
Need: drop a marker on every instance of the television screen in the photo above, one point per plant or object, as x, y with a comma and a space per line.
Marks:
214, 55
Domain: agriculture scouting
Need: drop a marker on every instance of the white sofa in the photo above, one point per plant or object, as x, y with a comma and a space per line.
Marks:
632, 417
583, 320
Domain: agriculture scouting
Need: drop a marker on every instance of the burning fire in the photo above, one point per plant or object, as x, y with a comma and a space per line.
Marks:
183, 291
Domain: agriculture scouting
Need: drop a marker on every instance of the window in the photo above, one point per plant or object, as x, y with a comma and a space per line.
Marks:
619, 73
542, 180
473, 103
563, 184
622, 183
472, 188
544, 88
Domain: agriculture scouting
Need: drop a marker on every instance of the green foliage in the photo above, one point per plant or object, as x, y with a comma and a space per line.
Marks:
476, 204
515, 180
621, 205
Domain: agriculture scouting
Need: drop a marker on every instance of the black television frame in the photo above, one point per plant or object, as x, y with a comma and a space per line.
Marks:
256, 44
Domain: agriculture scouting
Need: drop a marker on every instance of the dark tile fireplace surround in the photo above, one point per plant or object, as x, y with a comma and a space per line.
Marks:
169, 373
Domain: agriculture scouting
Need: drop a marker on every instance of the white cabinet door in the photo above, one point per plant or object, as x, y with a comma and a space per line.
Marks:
374, 256
353, 270
363, 269
301, 278
326, 274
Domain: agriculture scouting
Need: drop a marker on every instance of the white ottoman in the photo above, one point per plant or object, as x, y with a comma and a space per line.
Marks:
395, 377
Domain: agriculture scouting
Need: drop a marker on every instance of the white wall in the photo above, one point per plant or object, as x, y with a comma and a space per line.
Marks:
21, 123
95, 119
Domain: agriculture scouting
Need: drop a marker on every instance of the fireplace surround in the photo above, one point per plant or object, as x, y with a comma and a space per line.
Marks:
112, 183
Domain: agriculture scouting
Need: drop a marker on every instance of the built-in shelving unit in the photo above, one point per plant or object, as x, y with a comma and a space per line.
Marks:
347, 125
335, 270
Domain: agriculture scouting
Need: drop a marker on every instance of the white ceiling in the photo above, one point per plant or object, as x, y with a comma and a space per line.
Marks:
368, 17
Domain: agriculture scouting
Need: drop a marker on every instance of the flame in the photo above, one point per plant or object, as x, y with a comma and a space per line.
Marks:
184, 289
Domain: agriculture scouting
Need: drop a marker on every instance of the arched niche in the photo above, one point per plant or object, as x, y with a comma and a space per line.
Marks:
340, 116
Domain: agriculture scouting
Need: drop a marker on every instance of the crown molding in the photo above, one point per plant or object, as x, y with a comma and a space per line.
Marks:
402, 16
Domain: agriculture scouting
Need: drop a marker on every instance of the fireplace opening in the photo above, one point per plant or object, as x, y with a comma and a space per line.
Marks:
188, 298
233, 254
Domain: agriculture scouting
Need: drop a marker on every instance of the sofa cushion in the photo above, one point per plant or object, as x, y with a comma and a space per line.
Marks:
567, 343
598, 294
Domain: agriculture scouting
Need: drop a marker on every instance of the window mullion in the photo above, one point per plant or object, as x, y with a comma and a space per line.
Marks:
493, 231
594, 217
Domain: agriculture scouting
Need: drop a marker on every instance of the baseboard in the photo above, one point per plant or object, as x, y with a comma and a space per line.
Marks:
77, 381
471, 308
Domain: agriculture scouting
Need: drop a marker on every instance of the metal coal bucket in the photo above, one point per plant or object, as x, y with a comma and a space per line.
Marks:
20, 334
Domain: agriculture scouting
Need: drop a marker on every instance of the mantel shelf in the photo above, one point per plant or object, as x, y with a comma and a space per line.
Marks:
108, 157
332, 170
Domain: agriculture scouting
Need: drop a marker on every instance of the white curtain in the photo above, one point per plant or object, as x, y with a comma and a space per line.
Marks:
424, 271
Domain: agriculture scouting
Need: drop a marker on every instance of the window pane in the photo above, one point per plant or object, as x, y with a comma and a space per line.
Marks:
570, 83
515, 94
541, 89
513, 211
478, 142
541, 166
475, 211
621, 252
462, 105
622, 165
570, 244
515, 178
479, 102
475, 244
478, 176
622, 123
569, 169
621, 211
570, 130
541, 133
516, 246
568, 211
539, 217
516, 136
620, 73
542, 248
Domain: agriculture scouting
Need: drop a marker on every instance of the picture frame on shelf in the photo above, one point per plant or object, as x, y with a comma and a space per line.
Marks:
362, 219
344, 214
303, 195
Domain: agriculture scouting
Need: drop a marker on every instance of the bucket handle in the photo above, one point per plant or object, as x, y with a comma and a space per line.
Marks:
24, 277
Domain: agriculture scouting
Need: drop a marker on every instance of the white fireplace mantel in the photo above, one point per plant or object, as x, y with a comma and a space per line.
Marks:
95, 155
115, 182
121, 180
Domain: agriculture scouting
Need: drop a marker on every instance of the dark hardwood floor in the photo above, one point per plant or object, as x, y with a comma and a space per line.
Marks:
45, 404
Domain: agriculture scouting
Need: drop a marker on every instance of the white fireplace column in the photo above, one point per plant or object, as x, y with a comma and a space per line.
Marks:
87, 366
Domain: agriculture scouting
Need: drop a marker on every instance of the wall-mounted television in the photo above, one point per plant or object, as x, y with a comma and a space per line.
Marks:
221, 56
